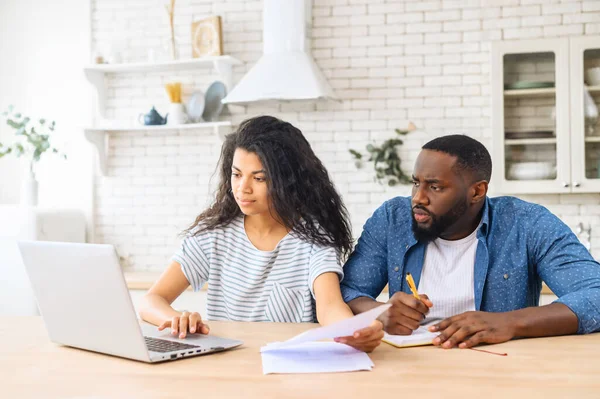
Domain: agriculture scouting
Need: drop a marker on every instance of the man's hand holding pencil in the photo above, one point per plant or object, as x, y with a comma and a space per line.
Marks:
407, 311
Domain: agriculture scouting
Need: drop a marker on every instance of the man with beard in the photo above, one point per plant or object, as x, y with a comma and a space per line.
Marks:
478, 262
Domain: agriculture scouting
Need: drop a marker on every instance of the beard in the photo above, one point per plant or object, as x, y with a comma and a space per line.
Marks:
438, 224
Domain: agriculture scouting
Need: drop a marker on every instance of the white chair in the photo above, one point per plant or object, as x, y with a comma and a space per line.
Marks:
32, 224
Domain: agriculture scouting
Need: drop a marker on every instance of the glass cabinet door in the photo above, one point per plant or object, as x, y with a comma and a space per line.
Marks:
529, 115
585, 106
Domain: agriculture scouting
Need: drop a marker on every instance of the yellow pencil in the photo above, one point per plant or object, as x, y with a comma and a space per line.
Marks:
412, 286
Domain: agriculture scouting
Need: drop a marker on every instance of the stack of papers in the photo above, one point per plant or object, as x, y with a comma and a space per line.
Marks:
421, 336
301, 354
314, 357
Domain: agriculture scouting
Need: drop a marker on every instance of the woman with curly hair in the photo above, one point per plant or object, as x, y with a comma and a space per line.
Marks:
272, 244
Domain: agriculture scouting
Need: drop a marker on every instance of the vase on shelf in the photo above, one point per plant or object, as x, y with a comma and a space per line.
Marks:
177, 114
29, 189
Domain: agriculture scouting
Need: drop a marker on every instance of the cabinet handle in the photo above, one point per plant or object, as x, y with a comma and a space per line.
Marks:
576, 184
565, 184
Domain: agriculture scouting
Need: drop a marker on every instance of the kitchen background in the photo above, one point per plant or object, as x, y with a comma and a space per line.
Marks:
389, 62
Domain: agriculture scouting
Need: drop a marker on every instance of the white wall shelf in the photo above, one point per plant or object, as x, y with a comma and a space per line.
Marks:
99, 136
96, 73
216, 62
187, 126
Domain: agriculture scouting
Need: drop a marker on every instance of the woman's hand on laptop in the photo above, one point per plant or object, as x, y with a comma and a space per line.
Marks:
365, 340
186, 322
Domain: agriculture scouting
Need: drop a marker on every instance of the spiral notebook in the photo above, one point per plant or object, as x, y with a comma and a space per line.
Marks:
421, 336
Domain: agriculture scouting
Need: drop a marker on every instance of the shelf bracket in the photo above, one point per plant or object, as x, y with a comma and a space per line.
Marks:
221, 132
100, 140
98, 80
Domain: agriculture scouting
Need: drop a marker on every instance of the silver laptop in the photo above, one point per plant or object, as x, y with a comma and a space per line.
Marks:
85, 303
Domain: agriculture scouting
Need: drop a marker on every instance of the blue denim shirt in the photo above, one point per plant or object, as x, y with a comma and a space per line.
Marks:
520, 245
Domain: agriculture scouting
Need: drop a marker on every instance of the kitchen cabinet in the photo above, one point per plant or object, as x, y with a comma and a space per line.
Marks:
545, 136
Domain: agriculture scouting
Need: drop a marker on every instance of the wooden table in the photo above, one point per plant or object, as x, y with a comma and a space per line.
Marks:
32, 366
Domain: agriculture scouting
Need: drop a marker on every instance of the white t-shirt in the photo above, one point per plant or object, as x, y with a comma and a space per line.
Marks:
448, 277
247, 284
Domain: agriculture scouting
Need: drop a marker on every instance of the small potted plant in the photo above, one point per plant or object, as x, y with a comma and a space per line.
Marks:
385, 158
33, 140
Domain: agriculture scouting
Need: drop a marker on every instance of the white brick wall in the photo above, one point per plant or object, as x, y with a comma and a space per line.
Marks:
390, 62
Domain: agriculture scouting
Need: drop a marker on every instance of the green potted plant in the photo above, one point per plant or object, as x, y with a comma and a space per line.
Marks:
385, 158
33, 140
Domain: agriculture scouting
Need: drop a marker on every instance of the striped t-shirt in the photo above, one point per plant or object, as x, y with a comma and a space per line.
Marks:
247, 284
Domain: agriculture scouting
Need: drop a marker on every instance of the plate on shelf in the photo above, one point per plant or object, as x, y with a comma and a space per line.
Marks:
529, 134
213, 105
527, 85
195, 106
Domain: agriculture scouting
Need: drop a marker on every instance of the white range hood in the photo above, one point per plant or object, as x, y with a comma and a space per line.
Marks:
286, 71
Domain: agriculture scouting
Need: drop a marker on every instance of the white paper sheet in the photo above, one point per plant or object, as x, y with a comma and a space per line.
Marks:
301, 355
315, 357
342, 328
421, 336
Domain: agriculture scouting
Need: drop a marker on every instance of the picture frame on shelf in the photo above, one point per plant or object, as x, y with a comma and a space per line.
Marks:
207, 37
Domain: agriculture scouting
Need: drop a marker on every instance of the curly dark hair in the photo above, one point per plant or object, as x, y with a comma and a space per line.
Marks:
302, 195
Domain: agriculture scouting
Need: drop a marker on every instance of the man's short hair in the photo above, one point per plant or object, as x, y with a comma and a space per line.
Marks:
470, 154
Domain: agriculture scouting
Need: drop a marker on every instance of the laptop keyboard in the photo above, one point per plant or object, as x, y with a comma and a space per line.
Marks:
162, 345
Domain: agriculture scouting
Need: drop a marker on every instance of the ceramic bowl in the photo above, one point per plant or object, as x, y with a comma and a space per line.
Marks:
592, 76
532, 171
